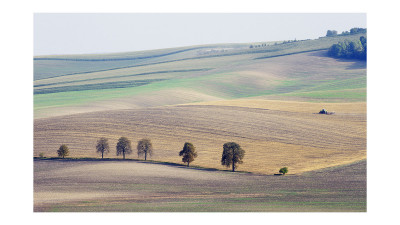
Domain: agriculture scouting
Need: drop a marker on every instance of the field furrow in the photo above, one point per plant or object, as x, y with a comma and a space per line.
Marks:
271, 138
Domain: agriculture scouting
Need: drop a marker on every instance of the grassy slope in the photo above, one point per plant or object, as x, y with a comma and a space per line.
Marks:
235, 73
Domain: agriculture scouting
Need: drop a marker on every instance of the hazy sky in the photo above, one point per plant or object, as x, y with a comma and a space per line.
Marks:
103, 33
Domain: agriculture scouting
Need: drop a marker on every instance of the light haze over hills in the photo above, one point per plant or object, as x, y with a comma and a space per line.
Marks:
109, 32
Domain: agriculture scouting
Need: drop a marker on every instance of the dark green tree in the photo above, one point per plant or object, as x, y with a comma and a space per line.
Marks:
188, 152
345, 49
232, 154
331, 33
350, 50
124, 146
345, 33
354, 50
102, 146
284, 170
357, 30
144, 147
363, 41
63, 151
335, 50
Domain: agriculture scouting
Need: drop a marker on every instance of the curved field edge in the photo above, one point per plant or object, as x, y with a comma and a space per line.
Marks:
289, 106
149, 161
145, 187
305, 77
274, 134
125, 60
195, 167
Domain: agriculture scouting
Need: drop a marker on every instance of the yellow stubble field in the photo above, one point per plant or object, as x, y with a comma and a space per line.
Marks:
273, 133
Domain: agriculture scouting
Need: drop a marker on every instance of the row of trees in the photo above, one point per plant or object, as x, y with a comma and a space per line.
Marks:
355, 30
276, 43
232, 153
124, 147
350, 49
258, 46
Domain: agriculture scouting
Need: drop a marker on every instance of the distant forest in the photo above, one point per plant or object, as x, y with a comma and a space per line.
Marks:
349, 49
355, 30
344, 49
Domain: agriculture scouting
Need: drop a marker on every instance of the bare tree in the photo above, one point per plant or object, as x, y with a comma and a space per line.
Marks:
232, 155
63, 151
124, 146
144, 147
188, 152
102, 146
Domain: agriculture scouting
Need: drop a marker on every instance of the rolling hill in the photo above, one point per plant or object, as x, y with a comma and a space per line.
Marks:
264, 98
81, 83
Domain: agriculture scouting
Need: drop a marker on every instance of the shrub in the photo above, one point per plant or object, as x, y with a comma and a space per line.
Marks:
283, 170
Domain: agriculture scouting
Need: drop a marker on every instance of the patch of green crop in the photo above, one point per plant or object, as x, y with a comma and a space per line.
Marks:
97, 86
359, 94
209, 205
352, 83
121, 76
76, 97
53, 66
79, 97
215, 84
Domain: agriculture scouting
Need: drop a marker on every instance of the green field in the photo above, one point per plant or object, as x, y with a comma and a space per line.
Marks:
266, 99
225, 71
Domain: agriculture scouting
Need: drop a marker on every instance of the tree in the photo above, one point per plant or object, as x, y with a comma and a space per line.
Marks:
350, 49
232, 155
102, 146
331, 33
144, 147
284, 170
63, 151
345, 33
363, 41
357, 30
335, 50
124, 146
188, 152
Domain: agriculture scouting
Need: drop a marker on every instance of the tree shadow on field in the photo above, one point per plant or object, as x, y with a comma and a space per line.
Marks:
177, 165
356, 63
171, 164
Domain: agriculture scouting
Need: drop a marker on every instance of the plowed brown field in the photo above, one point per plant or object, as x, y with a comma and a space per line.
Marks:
135, 186
273, 134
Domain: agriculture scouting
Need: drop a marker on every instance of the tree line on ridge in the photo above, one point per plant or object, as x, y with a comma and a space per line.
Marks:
232, 154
